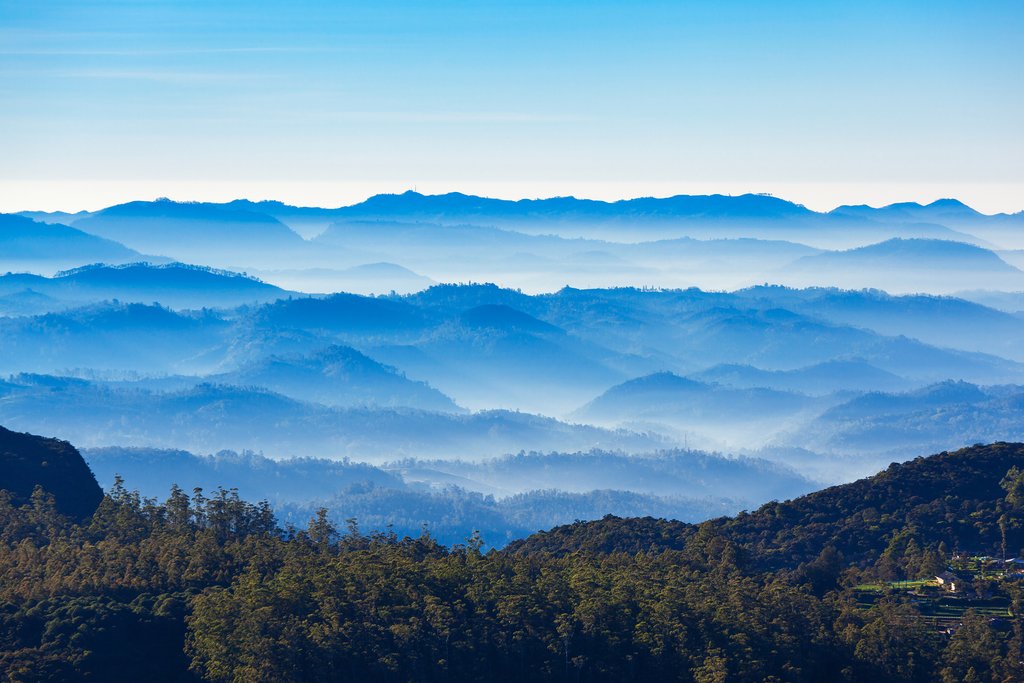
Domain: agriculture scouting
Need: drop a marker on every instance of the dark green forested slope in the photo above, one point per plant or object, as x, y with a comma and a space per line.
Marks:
28, 461
207, 587
957, 498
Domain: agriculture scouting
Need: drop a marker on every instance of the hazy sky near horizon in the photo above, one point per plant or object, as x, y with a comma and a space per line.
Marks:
323, 102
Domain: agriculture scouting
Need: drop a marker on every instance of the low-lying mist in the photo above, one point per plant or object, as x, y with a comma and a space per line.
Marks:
601, 342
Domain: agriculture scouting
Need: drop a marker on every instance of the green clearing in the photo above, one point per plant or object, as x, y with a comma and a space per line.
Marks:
898, 585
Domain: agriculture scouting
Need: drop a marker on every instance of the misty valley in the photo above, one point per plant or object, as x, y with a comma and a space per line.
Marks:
142, 334
433, 438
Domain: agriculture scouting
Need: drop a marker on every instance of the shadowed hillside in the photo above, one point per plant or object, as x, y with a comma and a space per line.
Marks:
28, 461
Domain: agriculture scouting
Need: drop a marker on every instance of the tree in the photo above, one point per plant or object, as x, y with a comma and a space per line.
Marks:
973, 651
321, 531
1013, 484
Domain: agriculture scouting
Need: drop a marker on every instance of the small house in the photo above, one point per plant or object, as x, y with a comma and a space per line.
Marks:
950, 581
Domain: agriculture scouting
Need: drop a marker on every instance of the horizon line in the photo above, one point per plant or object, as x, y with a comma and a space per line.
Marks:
18, 196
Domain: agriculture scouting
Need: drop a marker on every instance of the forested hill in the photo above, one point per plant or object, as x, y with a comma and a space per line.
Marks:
28, 461
210, 587
964, 499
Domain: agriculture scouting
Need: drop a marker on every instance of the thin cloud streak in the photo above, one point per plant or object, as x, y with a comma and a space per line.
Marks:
173, 52
161, 76
450, 117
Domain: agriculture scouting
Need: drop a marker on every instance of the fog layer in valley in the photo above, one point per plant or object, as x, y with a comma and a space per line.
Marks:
682, 357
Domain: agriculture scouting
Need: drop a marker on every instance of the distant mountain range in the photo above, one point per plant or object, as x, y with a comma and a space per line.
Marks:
696, 216
184, 230
908, 264
936, 256
209, 418
109, 336
338, 376
848, 424
998, 228
952, 414
219, 355
821, 378
405, 242
764, 366
941, 211
486, 347
665, 396
459, 208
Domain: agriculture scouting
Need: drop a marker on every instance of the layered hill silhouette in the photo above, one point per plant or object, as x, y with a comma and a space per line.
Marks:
485, 347
920, 254
209, 233
864, 426
702, 216
941, 211
665, 395
29, 244
345, 313
675, 472
457, 208
209, 418
821, 378
907, 265
947, 414
405, 242
512, 494
708, 415
28, 461
176, 285
338, 376
999, 228
945, 321
463, 252
110, 336
379, 277
505, 318
764, 366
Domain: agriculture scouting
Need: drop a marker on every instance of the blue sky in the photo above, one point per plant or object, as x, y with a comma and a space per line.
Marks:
326, 102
